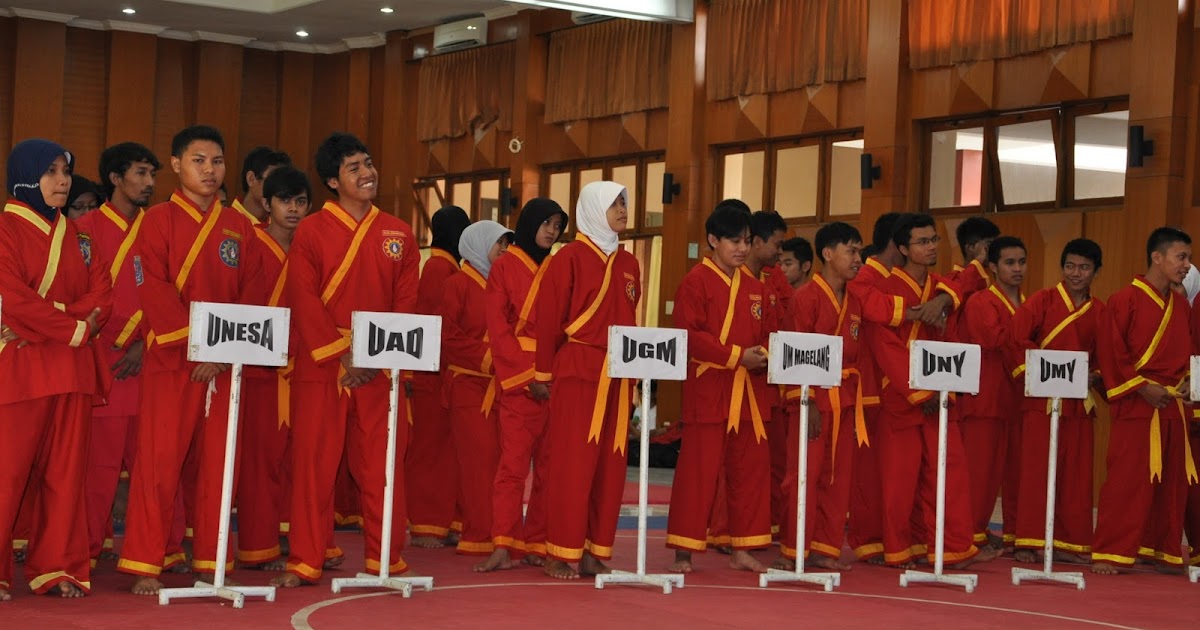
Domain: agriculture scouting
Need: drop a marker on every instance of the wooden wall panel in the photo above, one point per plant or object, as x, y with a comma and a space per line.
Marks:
131, 75
172, 111
8, 54
219, 102
40, 61
293, 126
259, 109
85, 98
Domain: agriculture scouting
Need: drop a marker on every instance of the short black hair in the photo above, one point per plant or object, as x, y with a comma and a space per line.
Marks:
736, 203
885, 226
336, 148
1000, 244
185, 138
800, 248
836, 233
286, 182
259, 159
765, 223
1085, 248
1162, 238
973, 230
117, 159
909, 222
869, 251
727, 221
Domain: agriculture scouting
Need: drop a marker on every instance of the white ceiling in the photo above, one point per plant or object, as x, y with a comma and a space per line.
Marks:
261, 23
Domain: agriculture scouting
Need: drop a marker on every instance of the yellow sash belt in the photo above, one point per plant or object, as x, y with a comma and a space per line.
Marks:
1156, 441
624, 402
489, 398
743, 388
860, 421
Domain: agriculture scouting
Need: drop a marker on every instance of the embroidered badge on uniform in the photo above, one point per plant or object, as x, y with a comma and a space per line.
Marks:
756, 309
85, 248
230, 252
854, 330
631, 291
393, 247
138, 278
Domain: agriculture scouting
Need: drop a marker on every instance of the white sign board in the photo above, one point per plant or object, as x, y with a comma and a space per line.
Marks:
804, 359
238, 333
396, 341
938, 366
1056, 374
659, 354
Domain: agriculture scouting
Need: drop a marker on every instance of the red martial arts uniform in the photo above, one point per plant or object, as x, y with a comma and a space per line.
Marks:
843, 421
513, 285
1191, 522
50, 281
237, 205
724, 317
991, 420
470, 390
182, 255
337, 266
909, 445
584, 292
431, 465
780, 293
1049, 320
1144, 338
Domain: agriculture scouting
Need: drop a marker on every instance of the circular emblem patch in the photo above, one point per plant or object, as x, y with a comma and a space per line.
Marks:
854, 330
393, 247
756, 309
85, 248
230, 252
631, 291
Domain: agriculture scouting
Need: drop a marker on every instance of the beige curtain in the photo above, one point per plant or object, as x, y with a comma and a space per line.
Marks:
946, 32
464, 91
764, 46
606, 69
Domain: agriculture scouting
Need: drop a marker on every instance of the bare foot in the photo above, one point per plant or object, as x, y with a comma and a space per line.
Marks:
1025, 555
67, 590
182, 567
590, 565
146, 586
825, 562
333, 563
877, 561
452, 539
1071, 558
560, 570
984, 555
428, 542
534, 560
683, 562
287, 580
741, 560
724, 549
4, 595
1103, 568
783, 563
278, 564
498, 560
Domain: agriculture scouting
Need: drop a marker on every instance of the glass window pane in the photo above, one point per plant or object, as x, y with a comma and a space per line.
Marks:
627, 177
560, 191
1028, 162
429, 196
797, 175
590, 175
489, 199
654, 204
845, 187
743, 173
956, 168
461, 197
1101, 144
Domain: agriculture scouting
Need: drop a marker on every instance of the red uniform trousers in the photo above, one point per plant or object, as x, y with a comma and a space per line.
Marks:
106, 453
431, 466
865, 534
172, 423
1073, 493
718, 519
477, 442
985, 441
707, 449
1010, 494
1137, 516
334, 423
263, 491
522, 440
908, 457
777, 444
834, 486
45, 447
346, 502
585, 478
1191, 522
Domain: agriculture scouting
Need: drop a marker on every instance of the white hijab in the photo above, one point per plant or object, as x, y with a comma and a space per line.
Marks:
591, 213
476, 243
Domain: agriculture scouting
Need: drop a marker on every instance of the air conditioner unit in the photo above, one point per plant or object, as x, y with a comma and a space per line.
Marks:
583, 17
460, 35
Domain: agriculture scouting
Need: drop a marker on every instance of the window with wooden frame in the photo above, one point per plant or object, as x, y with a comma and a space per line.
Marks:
812, 179
1055, 157
641, 175
479, 194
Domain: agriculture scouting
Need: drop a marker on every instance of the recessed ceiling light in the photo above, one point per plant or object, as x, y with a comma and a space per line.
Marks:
128, 10
301, 33
386, 10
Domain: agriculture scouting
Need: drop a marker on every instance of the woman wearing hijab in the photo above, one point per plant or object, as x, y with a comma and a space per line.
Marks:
591, 284
524, 405
431, 466
470, 384
55, 301
83, 197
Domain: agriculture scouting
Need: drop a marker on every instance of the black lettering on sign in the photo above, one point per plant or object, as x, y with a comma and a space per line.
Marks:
1061, 371
798, 356
257, 333
664, 351
937, 364
379, 341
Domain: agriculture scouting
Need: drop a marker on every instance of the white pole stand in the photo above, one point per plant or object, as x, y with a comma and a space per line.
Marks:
383, 580
966, 580
663, 581
1047, 573
1194, 574
828, 580
218, 588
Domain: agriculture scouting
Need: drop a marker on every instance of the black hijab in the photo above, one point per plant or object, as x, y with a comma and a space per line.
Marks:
448, 225
536, 212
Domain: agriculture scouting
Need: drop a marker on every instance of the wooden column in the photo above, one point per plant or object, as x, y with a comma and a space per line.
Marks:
529, 110
396, 161
358, 104
40, 62
887, 122
132, 67
295, 109
219, 102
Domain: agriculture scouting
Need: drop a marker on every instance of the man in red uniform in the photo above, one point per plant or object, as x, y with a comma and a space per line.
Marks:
726, 398
796, 261
1144, 347
189, 249
1065, 317
127, 173
257, 166
591, 284
513, 286
990, 425
348, 257
56, 296
431, 465
263, 494
470, 385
